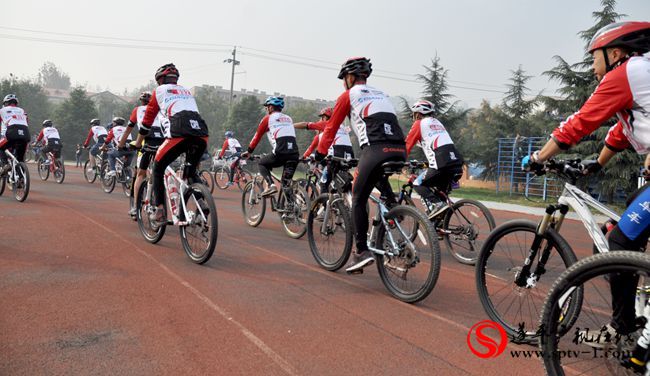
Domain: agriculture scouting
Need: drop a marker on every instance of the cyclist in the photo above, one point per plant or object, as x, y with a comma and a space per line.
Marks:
282, 137
234, 147
147, 145
182, 126
381, 140
113, 139
624, 83
13, 120
98, 134
51, 139
445, 162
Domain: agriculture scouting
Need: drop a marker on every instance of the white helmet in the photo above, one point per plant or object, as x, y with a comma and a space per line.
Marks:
9, 98
422, 106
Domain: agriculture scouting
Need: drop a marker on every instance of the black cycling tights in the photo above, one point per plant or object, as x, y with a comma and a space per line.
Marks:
172, 148
370, 175
289, 161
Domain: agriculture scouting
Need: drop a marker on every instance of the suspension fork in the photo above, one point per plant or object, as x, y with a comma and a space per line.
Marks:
524, 274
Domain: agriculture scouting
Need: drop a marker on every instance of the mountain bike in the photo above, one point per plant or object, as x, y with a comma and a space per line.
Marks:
521, 259
312, 178
100, 160
241, 176
123, 174
463, 224
329, 221
17, 177
51, 165
291, 204
191, 208
591, 348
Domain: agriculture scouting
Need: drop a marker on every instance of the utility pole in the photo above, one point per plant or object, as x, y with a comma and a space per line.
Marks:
234, 62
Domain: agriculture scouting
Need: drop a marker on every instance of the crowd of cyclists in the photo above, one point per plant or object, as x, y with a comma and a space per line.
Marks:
169, 125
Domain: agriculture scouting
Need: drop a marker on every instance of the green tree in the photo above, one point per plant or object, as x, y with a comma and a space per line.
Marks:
71, 118
303, 112
515, 103
435, 88
214, 111
31, 98
243, 120
50, 76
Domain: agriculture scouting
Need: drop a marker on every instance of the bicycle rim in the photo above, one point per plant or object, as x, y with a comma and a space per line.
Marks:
221, 176
59, 172
294, 221
152, 234
465, 227
199, 238
330, 242
253, 204
43, 169
21, 182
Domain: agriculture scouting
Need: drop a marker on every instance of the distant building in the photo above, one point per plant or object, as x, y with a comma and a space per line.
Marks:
261, 96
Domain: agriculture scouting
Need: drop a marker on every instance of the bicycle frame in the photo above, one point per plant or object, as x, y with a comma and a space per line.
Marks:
380, 218
14, 162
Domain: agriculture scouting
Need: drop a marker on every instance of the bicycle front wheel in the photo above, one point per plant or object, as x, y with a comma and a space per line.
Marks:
151, 233
43, 169
465, 228
329, 233
244, 177
294, 219
108, 182
411, 267
222, 176
90, 176
129, 178
199, 236
517, 308
594, 350
21, 182
253, 205
207, 180
59, 171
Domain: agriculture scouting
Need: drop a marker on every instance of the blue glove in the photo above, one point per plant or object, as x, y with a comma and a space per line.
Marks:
529, 165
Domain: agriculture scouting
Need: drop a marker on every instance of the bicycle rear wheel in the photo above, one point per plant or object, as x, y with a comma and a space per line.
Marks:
108, 182
517, 308
593, 354
207, 180
89, 176
21, 182
221, 176
59, 171
151, 233
253, 205
331, 242
294, 220
129, 178
199, 237
43, 169
244, 177
412, 272
3, 184
465, 228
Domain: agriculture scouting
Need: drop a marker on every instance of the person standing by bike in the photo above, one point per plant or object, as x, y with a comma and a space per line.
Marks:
623, 72
445, 162
78, 155
114, 137
279, 130
184, 130
98, 134
234, 148
51, 139
13, 121
381, 139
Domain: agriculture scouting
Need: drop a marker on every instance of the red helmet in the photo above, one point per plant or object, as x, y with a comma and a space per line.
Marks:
327, 111
634, 36
167, 70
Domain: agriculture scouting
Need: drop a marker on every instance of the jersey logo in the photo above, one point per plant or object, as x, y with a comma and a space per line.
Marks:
194, 124
388, 130
290, 145
452, 156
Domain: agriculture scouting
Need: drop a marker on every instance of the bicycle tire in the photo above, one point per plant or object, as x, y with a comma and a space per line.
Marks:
207, 179
299, 214
43, 170
3, 184
387, 265
244, 177
408, 201
576, 276
129, 178
59, 171
222, 176
89, 176
488, 255
255, 219
339, 211
150, 234
21, 193
467, 231
202, 195
108, 183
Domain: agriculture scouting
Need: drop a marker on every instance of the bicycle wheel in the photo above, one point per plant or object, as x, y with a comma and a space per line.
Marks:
151, 233
253, 205
199, 236
21, 182
221, 176
207, 180
244, 177
89, 176
411, 273
412, 229
108, 182
500, 261
3, 184
129, 177
330, 235
312, 190
59, 171
465, 228
584, 351
43, 169
294, 219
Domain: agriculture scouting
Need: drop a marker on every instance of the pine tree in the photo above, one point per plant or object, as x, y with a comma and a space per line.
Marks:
72, 117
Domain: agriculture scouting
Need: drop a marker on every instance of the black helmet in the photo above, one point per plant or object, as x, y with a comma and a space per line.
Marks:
167, 70
47, 123
94, 122
358, 66
145, 97
119, 121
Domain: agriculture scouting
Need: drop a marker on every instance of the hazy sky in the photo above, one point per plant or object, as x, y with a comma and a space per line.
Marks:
479, 42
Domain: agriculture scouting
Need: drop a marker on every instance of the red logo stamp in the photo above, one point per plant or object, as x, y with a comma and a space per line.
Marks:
485, 346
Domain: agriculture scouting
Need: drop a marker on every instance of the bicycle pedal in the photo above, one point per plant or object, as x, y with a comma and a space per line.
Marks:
358, 271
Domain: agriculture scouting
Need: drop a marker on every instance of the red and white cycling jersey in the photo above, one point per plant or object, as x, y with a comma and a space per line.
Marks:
115, 135
231, 145
432, 137
12, 115
48, 133
624, 92
372, 114
95, 132
169, 100
136, 118
280, 132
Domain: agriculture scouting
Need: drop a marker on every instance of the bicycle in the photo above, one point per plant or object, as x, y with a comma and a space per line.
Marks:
291, 206
329, 218
588, 277
192, 210
100, 160
241, 176
51, 165
123, 174
312, 178
460, 223
517, 254
17, 176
